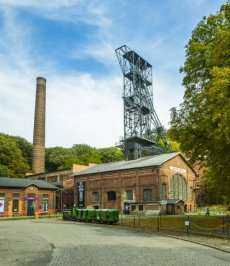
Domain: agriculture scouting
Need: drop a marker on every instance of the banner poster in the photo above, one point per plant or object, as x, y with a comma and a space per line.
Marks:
81, 194
2, 203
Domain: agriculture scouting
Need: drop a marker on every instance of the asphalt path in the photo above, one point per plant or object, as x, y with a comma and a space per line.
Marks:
55, 242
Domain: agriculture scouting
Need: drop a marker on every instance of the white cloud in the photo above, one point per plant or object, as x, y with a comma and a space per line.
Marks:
74, 11
101, 51
14, 47
81, 107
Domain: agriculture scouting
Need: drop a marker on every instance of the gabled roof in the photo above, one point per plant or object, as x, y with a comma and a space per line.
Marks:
148, 161
23, 183
174, 201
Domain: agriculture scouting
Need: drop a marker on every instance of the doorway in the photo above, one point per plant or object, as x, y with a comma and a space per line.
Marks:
30, 208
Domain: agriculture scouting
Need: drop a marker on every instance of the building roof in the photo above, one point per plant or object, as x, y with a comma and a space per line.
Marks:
174, 201
23, 183
148, 161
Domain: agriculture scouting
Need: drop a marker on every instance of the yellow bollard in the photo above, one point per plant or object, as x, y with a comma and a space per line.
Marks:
36, 216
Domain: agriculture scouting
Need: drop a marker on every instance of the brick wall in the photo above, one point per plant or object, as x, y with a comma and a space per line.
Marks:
137, 180
23, 202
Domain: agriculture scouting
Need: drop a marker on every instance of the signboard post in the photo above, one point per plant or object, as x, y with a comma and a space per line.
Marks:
187, 224
81, 194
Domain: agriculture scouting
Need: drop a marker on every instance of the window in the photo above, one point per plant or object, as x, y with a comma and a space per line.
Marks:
163, 191
15, 202
2, 195
147, 195
178, 187
129, 195
111, 195
191, 193
95, 197
31, 195
133, 208
45, 201
141, 207
15, 205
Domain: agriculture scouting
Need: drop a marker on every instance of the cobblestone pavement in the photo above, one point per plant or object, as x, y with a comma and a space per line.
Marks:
55, 242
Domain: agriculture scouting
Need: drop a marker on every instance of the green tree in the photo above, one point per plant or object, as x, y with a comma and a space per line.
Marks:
111, 154
12, 162
86, 154
202, 123
25, 147
57, 157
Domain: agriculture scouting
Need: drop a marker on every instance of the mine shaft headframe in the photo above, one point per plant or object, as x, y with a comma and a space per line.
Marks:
137, 94
127, 58
141, 123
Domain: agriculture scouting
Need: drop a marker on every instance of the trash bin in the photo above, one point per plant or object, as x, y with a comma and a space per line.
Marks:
36, 216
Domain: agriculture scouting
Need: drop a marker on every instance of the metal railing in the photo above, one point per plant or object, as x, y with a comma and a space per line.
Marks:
206, 226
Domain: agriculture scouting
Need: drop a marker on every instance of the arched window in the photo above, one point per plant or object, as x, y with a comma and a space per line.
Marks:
129, 194
163, 191
111, 195
147, 195
95, 196
178, 187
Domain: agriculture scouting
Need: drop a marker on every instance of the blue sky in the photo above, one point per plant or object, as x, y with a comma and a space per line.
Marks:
71, 43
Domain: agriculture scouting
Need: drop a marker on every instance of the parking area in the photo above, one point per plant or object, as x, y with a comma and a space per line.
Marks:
55, 242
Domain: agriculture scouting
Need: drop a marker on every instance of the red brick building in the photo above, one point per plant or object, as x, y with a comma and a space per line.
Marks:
19, 197
155, 184
64, 182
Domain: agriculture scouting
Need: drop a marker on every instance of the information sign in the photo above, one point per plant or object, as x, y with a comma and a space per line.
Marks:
2, 203
186, 223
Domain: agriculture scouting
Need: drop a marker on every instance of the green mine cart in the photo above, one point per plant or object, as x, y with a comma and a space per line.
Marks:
90, 215
80, 214
98, 215
105, 215
112, 216
67, 214
74, 213
84, 214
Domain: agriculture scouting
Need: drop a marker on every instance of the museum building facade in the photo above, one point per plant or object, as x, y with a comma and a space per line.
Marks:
26, 197
154, 184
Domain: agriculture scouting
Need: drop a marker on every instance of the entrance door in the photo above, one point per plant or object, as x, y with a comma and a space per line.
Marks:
170, 209
30, 208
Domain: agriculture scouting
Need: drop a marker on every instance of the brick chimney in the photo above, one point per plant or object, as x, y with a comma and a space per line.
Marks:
38, 160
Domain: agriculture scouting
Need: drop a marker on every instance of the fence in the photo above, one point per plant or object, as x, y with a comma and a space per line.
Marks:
207, 226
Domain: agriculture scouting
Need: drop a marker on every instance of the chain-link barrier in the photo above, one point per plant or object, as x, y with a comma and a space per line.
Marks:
216, 226
203, 228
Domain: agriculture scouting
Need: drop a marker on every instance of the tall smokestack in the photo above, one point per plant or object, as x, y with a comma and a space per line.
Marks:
38, 161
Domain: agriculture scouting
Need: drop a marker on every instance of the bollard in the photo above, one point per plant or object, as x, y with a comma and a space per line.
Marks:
228, 232
158, 224
36, 216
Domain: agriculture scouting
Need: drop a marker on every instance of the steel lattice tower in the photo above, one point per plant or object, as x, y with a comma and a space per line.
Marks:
143, 132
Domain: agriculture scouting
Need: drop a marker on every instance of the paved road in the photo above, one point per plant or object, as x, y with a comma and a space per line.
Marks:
54, 242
